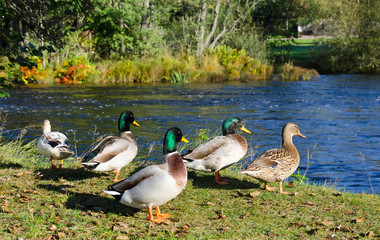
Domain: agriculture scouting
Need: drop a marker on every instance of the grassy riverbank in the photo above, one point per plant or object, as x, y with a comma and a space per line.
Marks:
218, 65
39, 203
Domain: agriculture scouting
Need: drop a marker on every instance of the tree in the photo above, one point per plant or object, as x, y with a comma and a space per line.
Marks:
356, 46
281, 17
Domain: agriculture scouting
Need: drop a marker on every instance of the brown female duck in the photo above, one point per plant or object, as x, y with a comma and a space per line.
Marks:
277, 164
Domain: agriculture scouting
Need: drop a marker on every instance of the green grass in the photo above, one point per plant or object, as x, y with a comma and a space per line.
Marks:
69, 203
295, 50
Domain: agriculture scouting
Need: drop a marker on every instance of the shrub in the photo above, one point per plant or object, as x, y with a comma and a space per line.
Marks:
294, 73
74, 71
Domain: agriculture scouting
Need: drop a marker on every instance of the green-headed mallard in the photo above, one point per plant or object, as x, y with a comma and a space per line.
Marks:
219, 152
277, 164
114, 152
155, 185
54, 145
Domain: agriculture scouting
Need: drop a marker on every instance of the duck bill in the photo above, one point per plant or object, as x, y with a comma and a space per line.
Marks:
184, 140
301, 135
136, 124
245, 130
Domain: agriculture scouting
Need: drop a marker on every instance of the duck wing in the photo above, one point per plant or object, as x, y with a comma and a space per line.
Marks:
136, 178
108, 148
205, 149
270, 158
57, 140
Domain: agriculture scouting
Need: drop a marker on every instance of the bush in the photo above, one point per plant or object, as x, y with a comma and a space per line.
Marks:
294, 73
74, 71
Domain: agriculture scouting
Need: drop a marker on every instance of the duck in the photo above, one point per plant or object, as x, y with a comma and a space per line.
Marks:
220, 152
155, 185
275, 165
114, 152
54, 145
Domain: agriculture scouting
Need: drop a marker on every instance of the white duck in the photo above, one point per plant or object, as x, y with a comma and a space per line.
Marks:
114, 152
219, 152
54, 145
155, 185
277, 164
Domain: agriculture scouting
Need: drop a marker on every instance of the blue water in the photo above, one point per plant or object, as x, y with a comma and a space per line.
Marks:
339, 114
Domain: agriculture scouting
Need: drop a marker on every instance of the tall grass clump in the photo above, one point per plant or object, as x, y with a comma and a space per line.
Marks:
295, 73
220, 64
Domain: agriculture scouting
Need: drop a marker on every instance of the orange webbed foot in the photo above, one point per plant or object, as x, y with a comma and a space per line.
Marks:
218, 179
160, 215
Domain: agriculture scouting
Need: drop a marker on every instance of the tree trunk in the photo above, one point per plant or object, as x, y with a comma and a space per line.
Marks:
202, 21
145, 16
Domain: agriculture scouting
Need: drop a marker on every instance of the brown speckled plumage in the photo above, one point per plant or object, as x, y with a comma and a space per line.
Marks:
277, 164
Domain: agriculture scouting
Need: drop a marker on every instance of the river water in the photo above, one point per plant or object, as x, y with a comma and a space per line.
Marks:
339, 114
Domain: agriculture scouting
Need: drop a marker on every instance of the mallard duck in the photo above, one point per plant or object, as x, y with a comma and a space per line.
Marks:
114, 152
277, 164
155, 185
54, 145
219, 152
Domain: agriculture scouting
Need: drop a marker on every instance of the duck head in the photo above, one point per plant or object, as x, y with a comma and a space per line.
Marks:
172, 137
232, 126
125, 120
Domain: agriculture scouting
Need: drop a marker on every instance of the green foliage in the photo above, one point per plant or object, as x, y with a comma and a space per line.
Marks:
282, 17
178, 77
298, 177
253, 44
221, 64
355, 47
237, 64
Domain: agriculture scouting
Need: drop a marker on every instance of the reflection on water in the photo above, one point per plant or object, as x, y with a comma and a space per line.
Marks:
338, 114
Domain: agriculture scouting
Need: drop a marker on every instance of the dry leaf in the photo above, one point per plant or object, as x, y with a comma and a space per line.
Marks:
122, 237
173, 229
51, 237
254, 194
298, 224
226, 229
185, 227
14, 229
343, 229
53, 228
24, 173
358, 220
120, 227
272, 235
5, 209
310, 203
326, 223
220, 216
5, 178
246, 215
